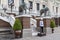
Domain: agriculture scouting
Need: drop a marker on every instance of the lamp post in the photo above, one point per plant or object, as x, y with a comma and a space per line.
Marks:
11, 7
11, 4
4, 9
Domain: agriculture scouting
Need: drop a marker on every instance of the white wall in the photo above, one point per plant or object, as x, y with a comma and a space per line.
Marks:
49, 4
15, 8
53, 13
34, 10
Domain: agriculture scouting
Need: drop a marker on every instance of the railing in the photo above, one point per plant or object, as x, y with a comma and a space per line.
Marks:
7, 18
31, 12
11, 20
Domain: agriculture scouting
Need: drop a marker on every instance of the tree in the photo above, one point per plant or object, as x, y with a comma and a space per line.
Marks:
52, 25
17, 25
17, 28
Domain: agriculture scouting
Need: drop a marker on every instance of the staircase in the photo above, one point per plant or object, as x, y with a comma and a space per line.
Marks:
8, 18
7, 32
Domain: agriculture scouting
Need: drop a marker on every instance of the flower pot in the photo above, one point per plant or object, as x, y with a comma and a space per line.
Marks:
52, 30
18, 34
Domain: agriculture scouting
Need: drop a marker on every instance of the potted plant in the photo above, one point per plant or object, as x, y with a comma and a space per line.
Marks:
17, 28
52, 25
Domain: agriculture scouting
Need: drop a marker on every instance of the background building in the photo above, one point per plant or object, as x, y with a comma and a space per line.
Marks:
10, 5
30, 8
33, 7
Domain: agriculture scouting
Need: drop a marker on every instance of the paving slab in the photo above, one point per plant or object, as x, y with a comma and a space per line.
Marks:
52, 36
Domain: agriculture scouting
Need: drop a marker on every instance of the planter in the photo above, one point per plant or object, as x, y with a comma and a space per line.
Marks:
52, 30
18, 34
52, 25
17, 28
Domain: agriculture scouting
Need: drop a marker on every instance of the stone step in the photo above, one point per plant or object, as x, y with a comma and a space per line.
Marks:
27, 33
5, 29
6, 33
1, 33
7, 36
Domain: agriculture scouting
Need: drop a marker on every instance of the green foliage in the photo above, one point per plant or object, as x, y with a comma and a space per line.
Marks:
52, 24
17, 25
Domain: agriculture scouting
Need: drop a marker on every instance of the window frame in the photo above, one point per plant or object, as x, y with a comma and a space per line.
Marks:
38, 6
56, 9
30, 5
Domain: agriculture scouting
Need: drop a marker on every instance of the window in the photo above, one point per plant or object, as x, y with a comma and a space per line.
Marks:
31, 4
10, 2
38, 6
53, 8
56, 9
45, 0
0, 1
22, 1
43, 6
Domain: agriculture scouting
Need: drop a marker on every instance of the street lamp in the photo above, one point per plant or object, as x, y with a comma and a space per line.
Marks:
11, 7
4, 9
11, 4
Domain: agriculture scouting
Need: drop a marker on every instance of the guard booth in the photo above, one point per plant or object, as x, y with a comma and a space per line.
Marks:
46, 23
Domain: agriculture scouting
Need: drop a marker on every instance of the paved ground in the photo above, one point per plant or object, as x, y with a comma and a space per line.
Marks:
49, 37
28, 36
54, 36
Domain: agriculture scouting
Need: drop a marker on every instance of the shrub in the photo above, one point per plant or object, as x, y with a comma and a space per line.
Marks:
52, 24
17, 25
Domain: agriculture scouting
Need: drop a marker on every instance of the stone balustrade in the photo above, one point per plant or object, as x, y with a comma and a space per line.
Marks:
8, 18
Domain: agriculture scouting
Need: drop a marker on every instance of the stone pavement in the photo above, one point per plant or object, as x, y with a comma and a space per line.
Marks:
49, 37
6, 34
54, 36
28, 36
27, 33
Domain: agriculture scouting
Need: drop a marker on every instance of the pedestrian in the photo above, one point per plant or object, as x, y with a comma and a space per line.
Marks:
41, 25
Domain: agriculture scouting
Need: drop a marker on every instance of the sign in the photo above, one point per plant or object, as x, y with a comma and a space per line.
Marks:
10, 2
41, 24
